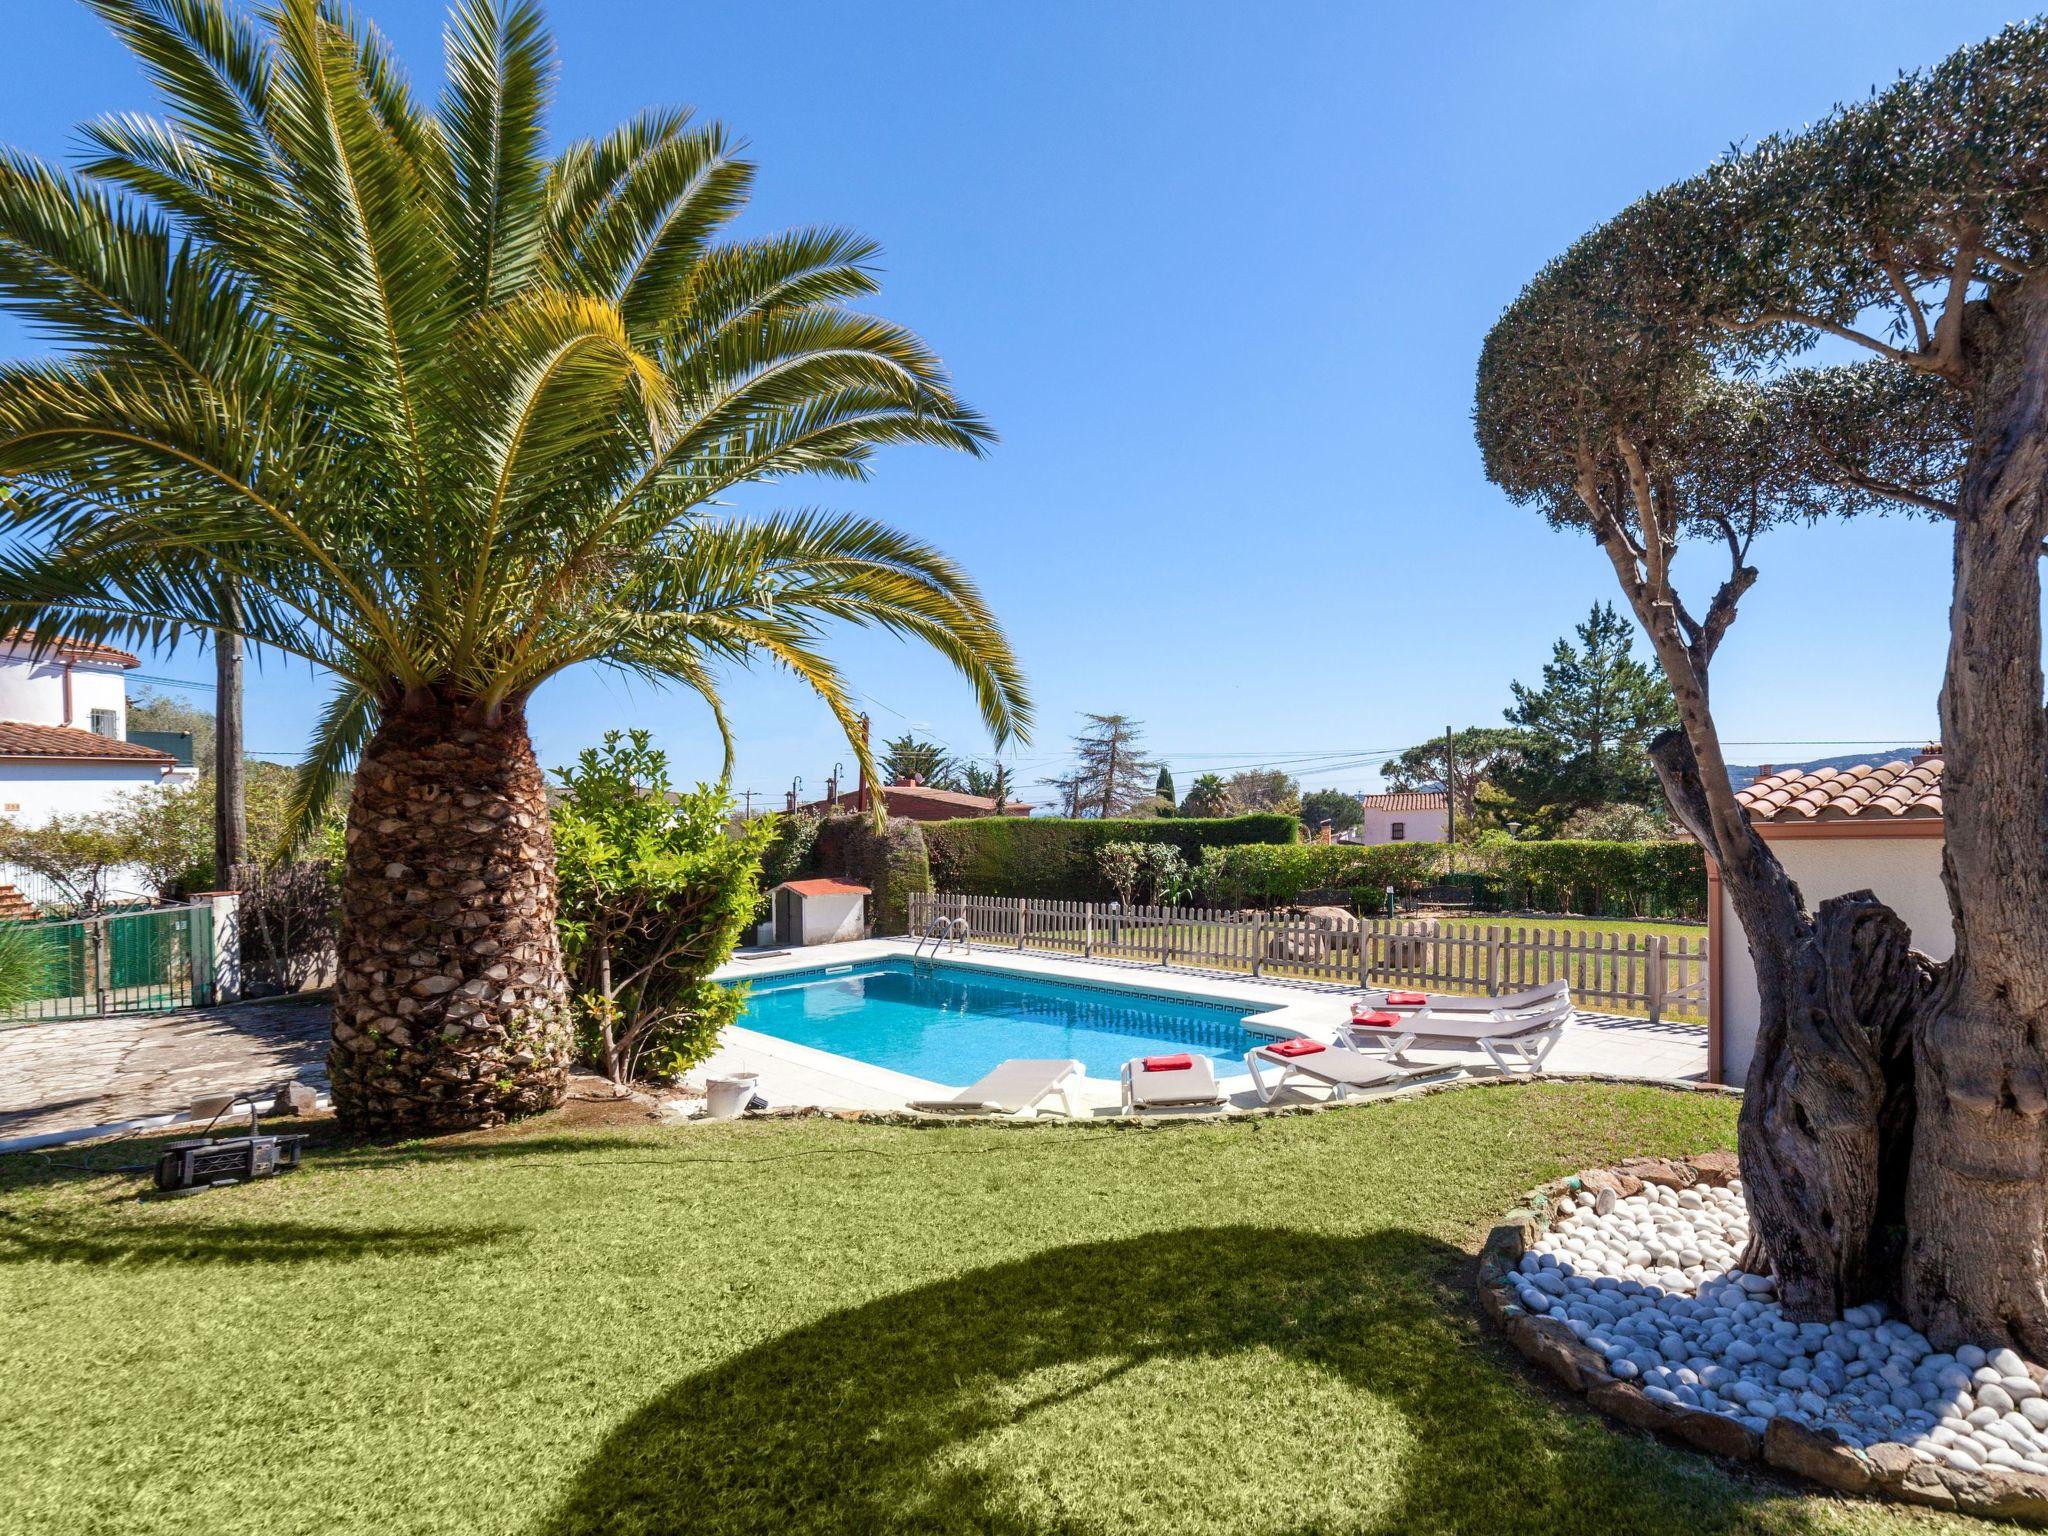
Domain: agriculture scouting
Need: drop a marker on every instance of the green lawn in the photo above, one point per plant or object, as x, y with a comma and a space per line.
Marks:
1695, 933
828, 1327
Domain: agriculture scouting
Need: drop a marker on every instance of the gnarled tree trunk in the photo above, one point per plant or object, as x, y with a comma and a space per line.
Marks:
1976, 1202
450, 1011
1830, 1073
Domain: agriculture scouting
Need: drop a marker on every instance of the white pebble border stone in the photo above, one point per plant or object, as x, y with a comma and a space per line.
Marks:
1649, 1281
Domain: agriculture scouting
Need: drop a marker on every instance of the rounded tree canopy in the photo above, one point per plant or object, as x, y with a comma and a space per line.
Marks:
1639, 351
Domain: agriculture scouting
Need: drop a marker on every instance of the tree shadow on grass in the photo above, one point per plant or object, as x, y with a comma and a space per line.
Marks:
1226, 1379
57, 1240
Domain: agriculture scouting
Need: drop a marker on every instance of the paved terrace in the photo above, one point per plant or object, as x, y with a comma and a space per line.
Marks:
67, 1074
796, 1075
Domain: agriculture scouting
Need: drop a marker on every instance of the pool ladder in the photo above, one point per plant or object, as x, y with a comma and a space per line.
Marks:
942, 931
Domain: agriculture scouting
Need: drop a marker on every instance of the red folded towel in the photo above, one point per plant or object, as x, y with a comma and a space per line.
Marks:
1297, 1047
1407, 999
1181, 1063
1376, 1020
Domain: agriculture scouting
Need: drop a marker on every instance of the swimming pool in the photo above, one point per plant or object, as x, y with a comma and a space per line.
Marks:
950, 1024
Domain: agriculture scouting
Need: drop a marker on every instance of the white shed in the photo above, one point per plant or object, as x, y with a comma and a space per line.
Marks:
1836, 830
820, 911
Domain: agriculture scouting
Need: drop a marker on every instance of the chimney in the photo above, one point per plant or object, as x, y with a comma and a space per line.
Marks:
1764, 770
1927, 754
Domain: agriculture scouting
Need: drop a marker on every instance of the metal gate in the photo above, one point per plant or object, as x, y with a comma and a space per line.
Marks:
119, 962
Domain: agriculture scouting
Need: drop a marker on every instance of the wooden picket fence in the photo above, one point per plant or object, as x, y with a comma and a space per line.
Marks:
1622, 972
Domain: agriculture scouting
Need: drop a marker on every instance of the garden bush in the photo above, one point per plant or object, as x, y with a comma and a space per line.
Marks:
1054, 858
1263, 875
1598, 879
655, 890
1146, 874
1664, 879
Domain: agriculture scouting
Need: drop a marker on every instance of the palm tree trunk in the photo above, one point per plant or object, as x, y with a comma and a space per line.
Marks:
451, 1010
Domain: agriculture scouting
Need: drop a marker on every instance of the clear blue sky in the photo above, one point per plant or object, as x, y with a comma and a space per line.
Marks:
1219, 275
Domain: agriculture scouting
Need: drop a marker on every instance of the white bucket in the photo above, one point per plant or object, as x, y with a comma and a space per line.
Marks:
726, 1097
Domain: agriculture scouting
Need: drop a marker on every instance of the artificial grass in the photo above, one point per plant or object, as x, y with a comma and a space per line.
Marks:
818, 1326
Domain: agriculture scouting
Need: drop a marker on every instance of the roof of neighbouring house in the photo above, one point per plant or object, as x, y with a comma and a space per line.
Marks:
823, 888
79, 650
903, 797
1407, 800
20, 740
1902, 790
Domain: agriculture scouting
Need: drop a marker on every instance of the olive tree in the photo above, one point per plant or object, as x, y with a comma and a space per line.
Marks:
1621, 394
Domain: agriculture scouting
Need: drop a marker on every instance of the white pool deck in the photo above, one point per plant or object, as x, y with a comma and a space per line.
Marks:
798, 1076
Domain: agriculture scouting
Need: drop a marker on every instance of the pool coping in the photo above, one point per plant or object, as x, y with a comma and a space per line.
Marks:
1275, 1012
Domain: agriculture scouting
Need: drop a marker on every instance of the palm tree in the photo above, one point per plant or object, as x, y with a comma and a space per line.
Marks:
446, 415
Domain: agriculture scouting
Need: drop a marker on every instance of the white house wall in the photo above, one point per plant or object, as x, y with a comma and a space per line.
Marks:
35, 694
1418, 826
1904, 872
31, 793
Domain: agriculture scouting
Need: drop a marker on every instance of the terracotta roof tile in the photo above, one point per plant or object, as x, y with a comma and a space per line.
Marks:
1407, 800
1908, 790
19, 739
79, 650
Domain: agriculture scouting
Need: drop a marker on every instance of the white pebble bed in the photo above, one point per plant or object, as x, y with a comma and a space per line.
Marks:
1651, 1283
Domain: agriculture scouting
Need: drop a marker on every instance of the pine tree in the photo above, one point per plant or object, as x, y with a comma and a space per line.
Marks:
1111, 775
1589, 725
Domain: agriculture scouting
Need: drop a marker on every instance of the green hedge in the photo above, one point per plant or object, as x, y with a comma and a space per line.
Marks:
1051, 858
1666, 879
1601, 879
1264, 876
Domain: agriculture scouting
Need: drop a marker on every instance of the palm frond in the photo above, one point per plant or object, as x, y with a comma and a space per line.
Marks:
345, 728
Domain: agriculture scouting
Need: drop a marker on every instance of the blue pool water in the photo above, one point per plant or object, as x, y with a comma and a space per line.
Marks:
951, 1024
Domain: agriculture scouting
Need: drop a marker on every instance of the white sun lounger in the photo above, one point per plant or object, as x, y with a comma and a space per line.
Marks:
1017, 1087
1191, 1086
1511, 1038
1344, 1072
1449, 1002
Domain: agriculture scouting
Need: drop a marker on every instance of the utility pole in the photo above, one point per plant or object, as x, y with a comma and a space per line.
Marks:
230, 813
832, 787
795, 784
1450, 786
750, 804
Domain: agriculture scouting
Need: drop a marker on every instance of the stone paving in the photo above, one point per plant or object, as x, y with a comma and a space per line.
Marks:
72, 1073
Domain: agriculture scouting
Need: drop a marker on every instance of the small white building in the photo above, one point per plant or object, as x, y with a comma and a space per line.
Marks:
64, 747
1835, 830
1405, 816
819, 911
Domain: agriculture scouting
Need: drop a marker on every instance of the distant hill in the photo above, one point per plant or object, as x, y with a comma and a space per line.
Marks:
1743, 777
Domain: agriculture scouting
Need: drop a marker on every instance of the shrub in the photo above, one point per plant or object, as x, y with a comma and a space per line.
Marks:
1663, 879
1148, 874
1594, 878
787, 855
1268, 874
893, 863
654, 893
30, 959
286, 913
1053, 858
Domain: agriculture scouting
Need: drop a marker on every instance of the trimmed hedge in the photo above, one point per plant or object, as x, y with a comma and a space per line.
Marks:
1052, 858
892, 863
1269, 876
1567, 875
1667, 879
